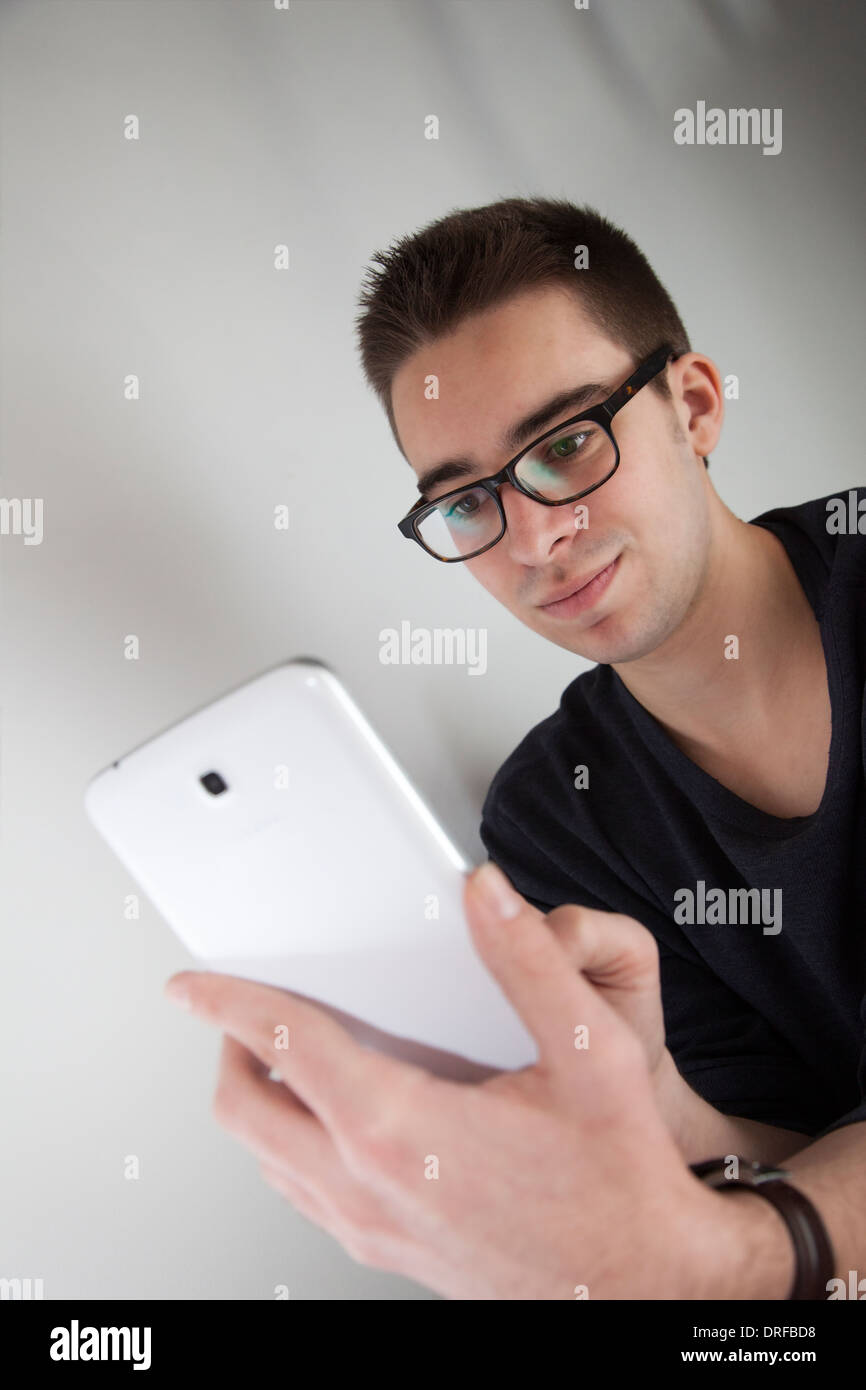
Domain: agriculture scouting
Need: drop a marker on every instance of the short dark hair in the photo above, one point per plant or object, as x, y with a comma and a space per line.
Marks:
474, 259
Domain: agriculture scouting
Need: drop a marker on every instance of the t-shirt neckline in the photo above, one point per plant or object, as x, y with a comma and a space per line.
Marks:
701, 786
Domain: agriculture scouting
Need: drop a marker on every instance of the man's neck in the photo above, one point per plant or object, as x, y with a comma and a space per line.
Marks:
705, 695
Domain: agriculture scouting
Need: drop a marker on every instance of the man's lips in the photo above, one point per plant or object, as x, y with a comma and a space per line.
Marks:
582, 594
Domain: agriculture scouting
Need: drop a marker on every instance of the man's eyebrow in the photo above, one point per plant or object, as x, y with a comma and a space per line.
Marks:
567, 402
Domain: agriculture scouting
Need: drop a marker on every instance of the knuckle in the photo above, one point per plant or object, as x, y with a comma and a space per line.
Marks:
574, 928
567, 918
362, 1248
354, 1249
358, 1231
376, 1147
377, 1143
643, 946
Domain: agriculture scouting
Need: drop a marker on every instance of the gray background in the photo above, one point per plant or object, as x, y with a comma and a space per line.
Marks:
155, 257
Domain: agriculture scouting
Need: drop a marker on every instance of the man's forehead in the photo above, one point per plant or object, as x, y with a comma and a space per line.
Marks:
501, 338
502, 402
500, 362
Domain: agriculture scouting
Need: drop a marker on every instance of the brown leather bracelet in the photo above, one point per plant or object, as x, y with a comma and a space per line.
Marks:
812, 1248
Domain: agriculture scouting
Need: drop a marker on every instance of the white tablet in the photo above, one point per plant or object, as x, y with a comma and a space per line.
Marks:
281, 841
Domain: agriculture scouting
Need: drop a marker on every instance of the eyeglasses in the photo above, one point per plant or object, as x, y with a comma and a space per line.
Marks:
556, 468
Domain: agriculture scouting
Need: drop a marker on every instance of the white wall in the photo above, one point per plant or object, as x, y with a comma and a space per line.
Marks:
257, 127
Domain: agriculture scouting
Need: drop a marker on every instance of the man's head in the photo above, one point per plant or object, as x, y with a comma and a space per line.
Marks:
489, 303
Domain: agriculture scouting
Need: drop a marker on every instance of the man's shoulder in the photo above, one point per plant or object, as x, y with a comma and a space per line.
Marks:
826, 542
833, 523
542, 762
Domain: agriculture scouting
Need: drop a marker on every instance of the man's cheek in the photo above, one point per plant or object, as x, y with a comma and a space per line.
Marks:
489, 576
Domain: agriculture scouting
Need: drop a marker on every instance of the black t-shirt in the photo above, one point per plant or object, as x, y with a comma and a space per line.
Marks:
764, 993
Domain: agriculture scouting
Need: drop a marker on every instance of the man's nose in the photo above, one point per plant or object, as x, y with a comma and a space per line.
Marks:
532, 529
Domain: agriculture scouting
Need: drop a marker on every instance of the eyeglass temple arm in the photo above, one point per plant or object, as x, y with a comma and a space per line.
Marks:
650, 368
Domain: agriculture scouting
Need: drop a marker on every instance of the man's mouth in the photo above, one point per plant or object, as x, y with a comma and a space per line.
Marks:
582, 595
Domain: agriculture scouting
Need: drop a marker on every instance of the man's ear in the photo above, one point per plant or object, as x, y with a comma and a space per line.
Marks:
698, 400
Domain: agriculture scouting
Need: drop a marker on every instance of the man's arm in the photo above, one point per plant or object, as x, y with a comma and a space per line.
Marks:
830, 1171
700, 1131
832, 1174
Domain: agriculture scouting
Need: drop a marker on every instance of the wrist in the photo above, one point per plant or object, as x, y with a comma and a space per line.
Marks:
748, 1249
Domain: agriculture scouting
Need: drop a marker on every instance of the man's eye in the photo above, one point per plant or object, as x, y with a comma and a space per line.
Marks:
463, 506
567, 445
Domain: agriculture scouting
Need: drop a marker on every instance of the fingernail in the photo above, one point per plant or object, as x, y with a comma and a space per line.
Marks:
496, 891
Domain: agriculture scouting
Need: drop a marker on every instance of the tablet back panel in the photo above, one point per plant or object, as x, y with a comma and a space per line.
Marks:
318, 868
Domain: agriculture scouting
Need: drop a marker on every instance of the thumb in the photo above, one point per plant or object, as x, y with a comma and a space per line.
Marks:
532, 968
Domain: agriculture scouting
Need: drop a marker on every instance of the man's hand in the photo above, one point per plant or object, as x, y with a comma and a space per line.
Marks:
620, 957
558, 1181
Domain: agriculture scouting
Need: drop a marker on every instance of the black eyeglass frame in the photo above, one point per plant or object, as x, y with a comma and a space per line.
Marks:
600, 414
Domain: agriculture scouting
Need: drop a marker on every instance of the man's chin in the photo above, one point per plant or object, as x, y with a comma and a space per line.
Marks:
609, 641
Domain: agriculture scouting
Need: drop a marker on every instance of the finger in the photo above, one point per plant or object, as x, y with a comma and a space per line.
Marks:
260, 1069
270, 1121
311, 1176
620, 957
301, 1198
611, 949
535, 973
342, 1082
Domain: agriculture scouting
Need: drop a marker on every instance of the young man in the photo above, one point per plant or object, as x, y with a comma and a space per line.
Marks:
706, 778
692, 816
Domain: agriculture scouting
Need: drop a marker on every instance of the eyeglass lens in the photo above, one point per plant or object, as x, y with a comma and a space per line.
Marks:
556, 469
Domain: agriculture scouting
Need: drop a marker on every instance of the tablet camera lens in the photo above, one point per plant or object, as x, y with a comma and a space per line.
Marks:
213, 783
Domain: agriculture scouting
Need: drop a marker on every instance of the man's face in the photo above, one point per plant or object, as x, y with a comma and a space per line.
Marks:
642, 552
